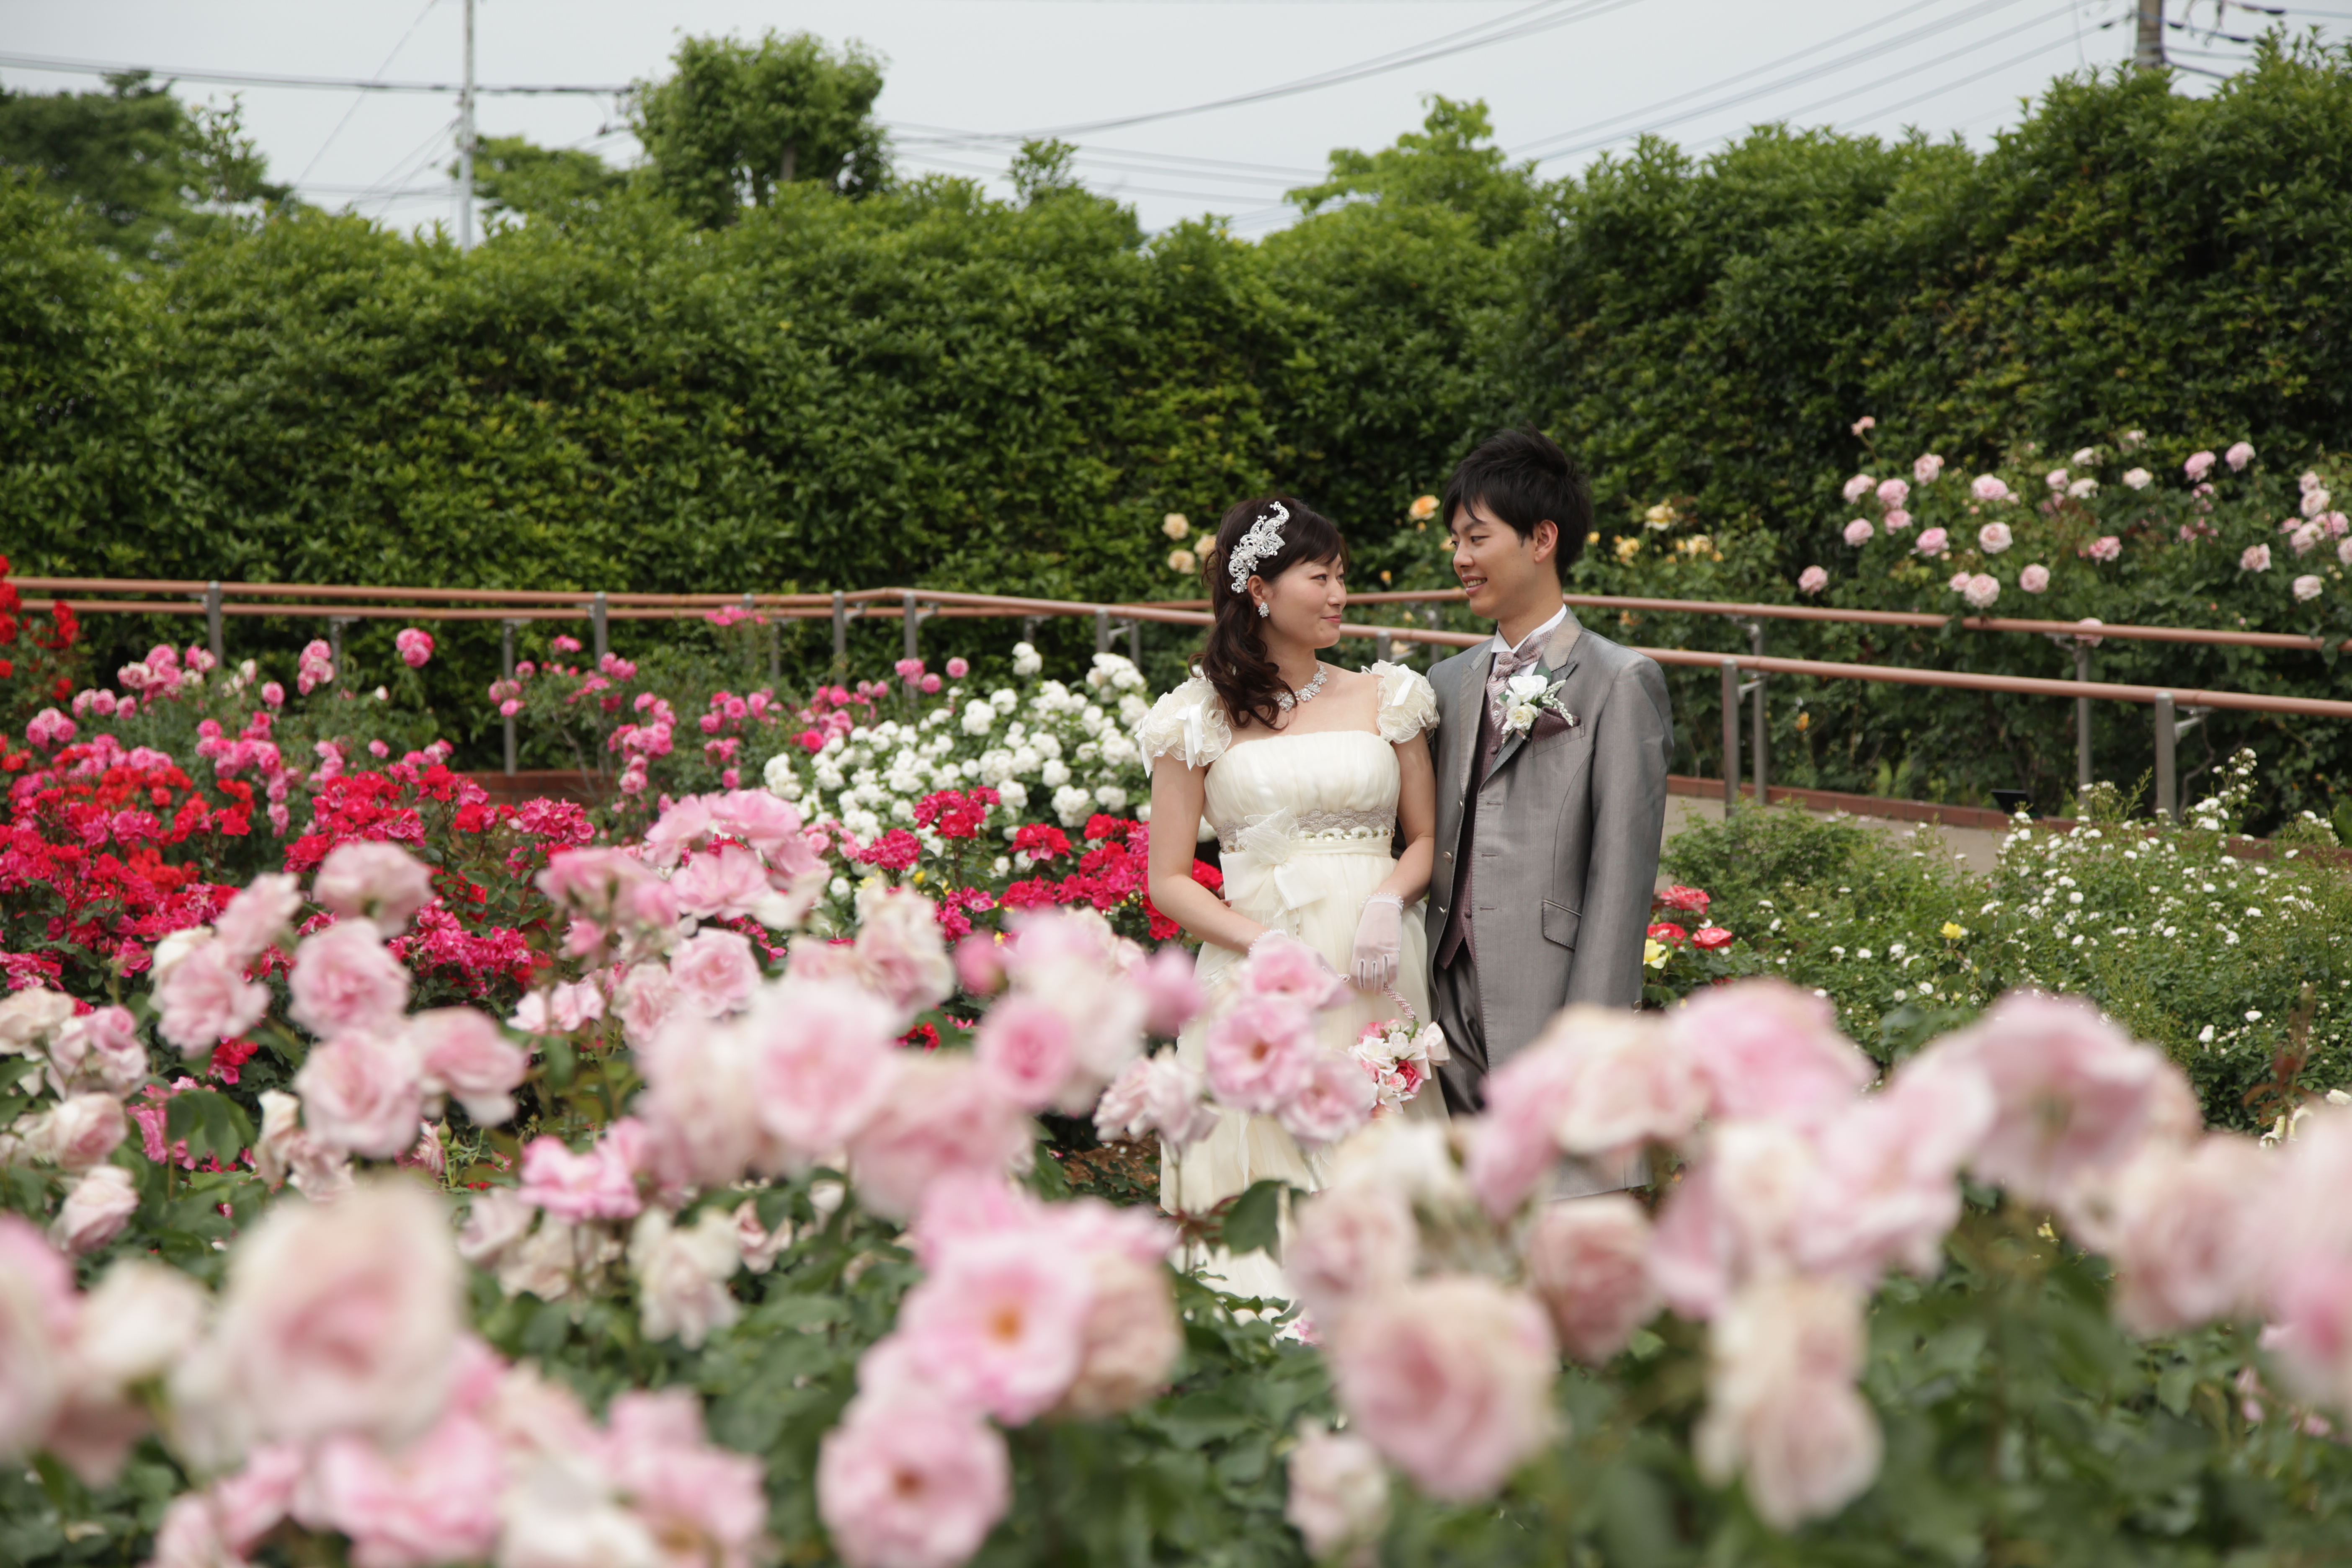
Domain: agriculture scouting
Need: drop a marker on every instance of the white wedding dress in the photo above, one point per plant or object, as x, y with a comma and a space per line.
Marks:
1304, 823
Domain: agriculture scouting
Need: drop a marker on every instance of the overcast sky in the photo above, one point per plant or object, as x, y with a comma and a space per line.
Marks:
1566, 79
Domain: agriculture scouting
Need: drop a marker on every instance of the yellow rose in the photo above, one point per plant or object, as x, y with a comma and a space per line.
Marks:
1182, 561
1654, 953
1174, 525
1627, 549
1423, 509
1954, 931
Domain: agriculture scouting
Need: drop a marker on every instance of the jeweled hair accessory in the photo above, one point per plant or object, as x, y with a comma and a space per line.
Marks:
1262, 543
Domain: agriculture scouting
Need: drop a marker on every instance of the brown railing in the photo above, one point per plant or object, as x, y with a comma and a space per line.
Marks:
341, 605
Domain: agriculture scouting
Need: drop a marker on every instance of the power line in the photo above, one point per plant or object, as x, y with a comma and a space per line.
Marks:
262, 78
354, 109
1814, 73
1940, 88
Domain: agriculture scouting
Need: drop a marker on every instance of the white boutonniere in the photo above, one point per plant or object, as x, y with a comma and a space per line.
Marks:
1522, 697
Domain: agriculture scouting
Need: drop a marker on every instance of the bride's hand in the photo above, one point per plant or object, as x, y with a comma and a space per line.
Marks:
1380, 943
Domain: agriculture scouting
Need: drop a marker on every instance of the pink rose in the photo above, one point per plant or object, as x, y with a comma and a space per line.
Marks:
1765, 1048
1782, 1410
703, 1502
1858, 487
102, 1045
1283, 966
341, 1318
2107, 547
2190, 1246
1893, 493
1897, 520
2198, 465
464, 1055
1158, 1094
1994, 537
1981, 590
1634, 1083
37, 1308
702, 1105
97, 1209
345, 982
724, 884
1928, 468
980, 967
682, 1274
204, 998
1931, 541
261, 913
362, 1095
2255, 558
80, 1131
415, 646
998, 1325
1261, 1053
1990, 487
1338, 1496
1350, 1242
1338, 1099
940, 1120
1859, 531
435, 1501
379, 882
1514, 1146
599, 1184
1172, 997
821, 1063
2034, 579
1812, 580
1451, 1378
2055, 478
1886, 1191
901, 950
1023, 1047
2306, 588
908, 669
1589, 1262
1131, 1340
1735, 1216
2073, 1095
2239, 456
644, 1001
912, 1483
714, 972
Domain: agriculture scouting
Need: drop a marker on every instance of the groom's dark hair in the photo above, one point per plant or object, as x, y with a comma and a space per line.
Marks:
1524, 478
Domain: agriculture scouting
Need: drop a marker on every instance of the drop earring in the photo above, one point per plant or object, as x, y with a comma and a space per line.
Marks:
1264, 609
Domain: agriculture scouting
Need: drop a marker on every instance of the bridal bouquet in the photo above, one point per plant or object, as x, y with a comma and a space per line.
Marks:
1397, 1056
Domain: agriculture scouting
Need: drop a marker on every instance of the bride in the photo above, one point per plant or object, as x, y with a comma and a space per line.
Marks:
1318, 785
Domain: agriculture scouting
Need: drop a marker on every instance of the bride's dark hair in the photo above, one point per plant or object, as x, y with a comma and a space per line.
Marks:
1235, 659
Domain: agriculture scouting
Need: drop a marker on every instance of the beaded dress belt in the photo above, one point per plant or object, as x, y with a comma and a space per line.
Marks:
1304, 829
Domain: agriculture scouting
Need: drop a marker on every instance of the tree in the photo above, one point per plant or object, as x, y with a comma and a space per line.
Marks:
513, 174
736, 122
1450, 162
138, 167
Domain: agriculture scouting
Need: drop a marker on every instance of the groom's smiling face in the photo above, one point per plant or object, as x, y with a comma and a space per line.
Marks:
1503, 571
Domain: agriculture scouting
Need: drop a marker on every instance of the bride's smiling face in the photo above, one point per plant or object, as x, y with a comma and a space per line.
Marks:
1306, 603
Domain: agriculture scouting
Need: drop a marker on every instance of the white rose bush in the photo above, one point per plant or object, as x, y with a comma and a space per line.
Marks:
739, 1183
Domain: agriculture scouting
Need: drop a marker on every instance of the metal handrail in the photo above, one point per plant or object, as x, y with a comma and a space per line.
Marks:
913, 605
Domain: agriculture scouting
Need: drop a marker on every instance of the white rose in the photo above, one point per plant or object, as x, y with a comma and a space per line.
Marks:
1523, 716
1073, 805
1025, 660
1015, 794
1054, 775
978, 718
1111, 797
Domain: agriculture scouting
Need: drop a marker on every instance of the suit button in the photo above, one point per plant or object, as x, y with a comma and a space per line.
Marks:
1448, 855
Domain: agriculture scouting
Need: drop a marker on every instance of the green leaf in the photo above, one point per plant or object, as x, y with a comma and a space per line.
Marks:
1255, 1222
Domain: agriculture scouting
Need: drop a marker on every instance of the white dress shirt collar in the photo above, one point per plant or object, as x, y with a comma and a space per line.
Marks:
1535, 637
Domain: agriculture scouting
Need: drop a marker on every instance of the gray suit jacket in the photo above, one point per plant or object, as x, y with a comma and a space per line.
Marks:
1566, 836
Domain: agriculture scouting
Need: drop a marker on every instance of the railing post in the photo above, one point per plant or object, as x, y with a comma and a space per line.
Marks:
914, 626
507, 664
335, 625
1763, 735
2081, 719
1730, 734
1381, 647
213, 623
596, 615
1135, 643
2168, 779
1029, 625
1102, 631
840, 627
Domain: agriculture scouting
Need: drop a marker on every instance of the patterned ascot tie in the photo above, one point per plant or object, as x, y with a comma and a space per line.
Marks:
1514, 662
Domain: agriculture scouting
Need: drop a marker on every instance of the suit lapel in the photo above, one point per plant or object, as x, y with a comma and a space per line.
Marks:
1469, 698
1558, 663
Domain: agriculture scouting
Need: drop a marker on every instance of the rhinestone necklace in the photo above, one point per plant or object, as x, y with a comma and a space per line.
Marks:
1307, 693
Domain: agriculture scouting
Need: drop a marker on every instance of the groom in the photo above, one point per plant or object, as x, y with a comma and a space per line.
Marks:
1551, 788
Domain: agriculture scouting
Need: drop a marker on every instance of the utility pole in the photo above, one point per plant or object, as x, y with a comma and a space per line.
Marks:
466, 138
2147, 56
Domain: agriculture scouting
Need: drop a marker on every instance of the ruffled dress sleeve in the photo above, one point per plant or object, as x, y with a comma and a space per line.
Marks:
1189, 724
1408, 704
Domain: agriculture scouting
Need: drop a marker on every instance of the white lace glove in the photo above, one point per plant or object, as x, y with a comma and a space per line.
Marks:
1380, 943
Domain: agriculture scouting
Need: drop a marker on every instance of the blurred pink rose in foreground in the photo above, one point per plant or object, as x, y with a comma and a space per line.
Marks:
1338, 1497
1450, 1377
346, 983
362, 1095
912, 1483
1589, 1261
1782, 1410
1812, 580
